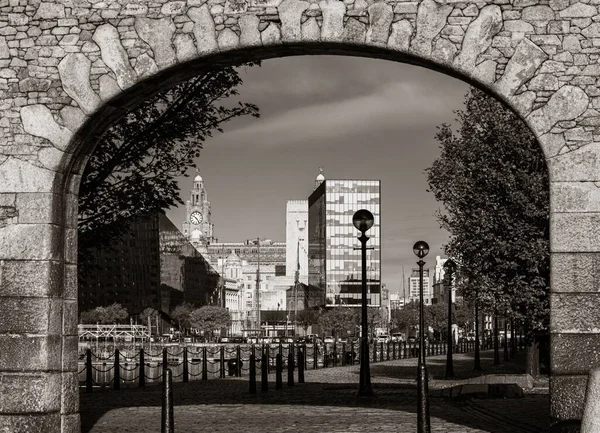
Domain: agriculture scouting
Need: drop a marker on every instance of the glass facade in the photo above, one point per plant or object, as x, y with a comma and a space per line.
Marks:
334, 264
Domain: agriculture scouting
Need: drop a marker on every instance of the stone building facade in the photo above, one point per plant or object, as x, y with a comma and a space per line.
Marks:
71, 68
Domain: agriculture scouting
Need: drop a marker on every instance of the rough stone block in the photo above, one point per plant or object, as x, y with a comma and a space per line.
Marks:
29, 392
69, 393
575, 272
36, 316
567, 395
562, 348
30, 353
31, 423
69, 352
30, 278
575, 312
39, 208
575, 197
70, 423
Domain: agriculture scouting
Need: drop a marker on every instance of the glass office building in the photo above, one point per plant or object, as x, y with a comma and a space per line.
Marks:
334, 264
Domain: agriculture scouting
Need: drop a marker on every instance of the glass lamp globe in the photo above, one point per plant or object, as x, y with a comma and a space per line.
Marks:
363, 220
421, 249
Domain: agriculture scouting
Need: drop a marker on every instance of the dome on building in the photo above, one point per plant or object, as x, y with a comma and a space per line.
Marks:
233, 259
198, 178
320, 177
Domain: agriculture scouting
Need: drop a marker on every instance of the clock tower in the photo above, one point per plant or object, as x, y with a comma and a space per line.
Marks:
197, 226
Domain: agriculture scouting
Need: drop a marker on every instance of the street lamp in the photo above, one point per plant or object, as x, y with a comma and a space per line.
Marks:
450, 267
363, 221
421, 249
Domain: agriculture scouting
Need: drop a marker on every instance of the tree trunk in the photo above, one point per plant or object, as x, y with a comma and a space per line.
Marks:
532, 359
496, 346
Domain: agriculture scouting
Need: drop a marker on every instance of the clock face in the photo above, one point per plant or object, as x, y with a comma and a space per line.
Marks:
196, 217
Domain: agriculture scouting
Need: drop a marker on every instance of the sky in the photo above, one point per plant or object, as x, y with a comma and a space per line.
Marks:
358, 118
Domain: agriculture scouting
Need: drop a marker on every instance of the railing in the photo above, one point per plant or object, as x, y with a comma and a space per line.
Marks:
141, 367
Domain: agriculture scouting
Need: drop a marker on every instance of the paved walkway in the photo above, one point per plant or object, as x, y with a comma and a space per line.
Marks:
327, 403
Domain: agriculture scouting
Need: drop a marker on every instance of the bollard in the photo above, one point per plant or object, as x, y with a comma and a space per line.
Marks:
315, 353
352, 351
89, 381
291, 368
142, 375
394, 350
278, 371
165, 363
301, 360
590, 422
204, 364
388, 351
238, 360
117, 374
374, 352
222, 362
325, 363
186, 373
252, 361
334, 354
264, 372
167, 421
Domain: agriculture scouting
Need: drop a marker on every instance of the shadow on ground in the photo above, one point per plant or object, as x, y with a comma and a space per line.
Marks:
389, 396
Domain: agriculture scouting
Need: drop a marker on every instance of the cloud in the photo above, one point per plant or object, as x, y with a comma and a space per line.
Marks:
394, 106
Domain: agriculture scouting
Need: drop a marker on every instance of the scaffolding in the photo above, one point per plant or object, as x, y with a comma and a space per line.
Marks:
113, 332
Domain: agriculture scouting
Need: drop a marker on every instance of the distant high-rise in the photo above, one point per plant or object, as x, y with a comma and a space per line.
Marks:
296, 239
413, 286
334, 265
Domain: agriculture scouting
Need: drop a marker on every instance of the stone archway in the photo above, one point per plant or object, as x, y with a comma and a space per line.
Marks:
71, 67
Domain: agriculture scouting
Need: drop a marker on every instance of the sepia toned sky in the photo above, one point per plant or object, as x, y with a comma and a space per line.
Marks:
359, 118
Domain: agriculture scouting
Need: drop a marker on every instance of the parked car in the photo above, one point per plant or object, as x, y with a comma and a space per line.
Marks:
397, 337
328, 340
382, 339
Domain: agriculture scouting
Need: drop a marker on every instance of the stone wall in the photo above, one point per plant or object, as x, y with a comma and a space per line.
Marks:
68, 69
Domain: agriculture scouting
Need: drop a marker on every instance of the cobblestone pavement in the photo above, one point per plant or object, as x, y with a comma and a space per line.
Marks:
327, 401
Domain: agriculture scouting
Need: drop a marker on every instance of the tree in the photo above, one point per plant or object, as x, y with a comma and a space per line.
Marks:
406, 317
493, 183
182, 314
209, 319
337, 319
134, 167
114, 313
306, 318
148, 313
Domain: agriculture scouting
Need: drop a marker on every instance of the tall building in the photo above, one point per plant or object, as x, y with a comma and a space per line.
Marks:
334, 264
197, 227
413, 286
153, 265
296, 239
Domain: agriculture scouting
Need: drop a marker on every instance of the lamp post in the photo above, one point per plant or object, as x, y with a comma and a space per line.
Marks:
363, 221
421, 249
450, 268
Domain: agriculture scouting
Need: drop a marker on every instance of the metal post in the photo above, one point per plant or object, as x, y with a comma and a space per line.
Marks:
252, 381
165, 363
264, 372
186, 374
334, 354
290, 380
301, 360
222, 362
167, 421
364, 389
343, 354
238, 359
423, 421
204, 363
325, 363
315, 353
142, 375
89, 381
278, 370
117, 374
496, 348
